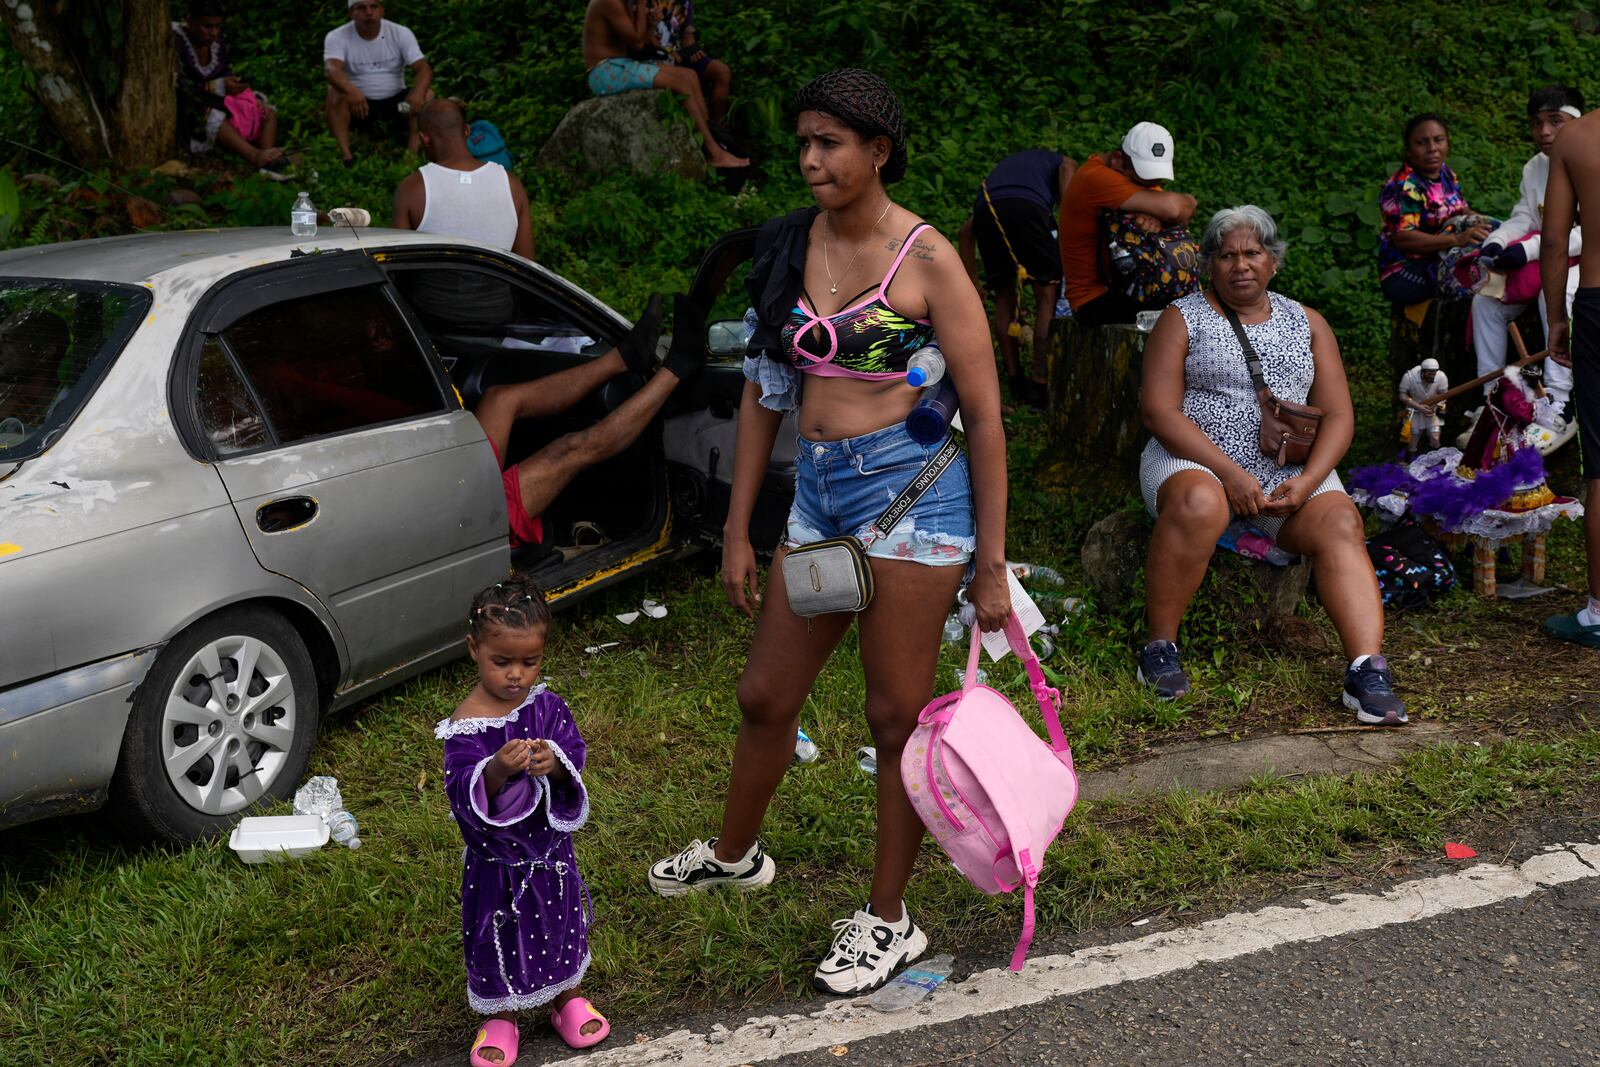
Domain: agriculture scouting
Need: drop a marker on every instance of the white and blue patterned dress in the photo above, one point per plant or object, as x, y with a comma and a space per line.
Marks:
1219, 397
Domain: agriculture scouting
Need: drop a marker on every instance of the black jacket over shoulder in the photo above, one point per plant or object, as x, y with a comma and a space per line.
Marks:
777, 274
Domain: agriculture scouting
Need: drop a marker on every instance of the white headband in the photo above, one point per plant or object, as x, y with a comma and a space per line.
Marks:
1568, 109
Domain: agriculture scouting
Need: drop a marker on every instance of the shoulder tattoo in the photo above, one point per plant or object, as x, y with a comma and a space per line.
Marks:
919, 249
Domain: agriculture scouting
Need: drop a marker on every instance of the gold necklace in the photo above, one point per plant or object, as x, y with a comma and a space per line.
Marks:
833, 286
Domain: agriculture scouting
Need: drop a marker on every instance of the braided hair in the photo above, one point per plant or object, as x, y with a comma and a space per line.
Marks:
865, 103
514, 604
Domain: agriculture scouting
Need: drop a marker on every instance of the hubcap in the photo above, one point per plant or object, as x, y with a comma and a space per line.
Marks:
229, 725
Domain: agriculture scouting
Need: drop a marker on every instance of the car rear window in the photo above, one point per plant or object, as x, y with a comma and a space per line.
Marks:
318, 365
56, 340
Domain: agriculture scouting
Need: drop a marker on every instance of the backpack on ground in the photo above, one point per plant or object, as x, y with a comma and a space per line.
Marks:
1412, 569
992, 794
485, 142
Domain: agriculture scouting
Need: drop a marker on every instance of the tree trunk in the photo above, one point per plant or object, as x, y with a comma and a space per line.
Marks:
63, 93
147, 104
1095, 429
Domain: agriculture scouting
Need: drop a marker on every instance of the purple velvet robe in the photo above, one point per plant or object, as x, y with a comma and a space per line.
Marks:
525, 911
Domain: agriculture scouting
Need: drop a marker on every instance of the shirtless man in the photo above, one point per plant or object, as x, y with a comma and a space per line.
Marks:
1575, 180
612, 29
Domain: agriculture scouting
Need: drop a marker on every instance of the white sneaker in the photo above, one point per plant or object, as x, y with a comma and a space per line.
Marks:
866, 951
1547, 440
697, 869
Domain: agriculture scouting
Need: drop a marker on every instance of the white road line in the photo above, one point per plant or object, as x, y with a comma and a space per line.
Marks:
1048, 977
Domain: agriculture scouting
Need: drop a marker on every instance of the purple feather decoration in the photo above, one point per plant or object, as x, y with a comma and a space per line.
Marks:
1382, 479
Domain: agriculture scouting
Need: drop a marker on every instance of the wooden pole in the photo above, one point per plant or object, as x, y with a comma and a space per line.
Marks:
1525, 360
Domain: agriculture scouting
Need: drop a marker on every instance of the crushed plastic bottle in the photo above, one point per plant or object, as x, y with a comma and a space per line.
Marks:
1074, 605
961, 676
912, 985
343, 829
867, 759
954, 630
805, 749
319, 796
1043, 647
1036, 574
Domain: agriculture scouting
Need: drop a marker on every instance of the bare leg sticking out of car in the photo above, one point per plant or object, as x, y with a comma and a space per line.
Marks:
541, 477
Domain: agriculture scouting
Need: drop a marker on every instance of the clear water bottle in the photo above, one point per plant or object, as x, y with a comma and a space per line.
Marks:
954, 630
912, 985
1036, 574
961, 676
925, 367
1121, 258
805, 749
342, 828
867, 759
303, 216
751, 321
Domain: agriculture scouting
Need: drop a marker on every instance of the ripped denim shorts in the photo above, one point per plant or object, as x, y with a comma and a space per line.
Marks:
842, 487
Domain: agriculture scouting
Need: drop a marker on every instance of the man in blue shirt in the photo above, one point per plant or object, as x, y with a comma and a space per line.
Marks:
1013, 225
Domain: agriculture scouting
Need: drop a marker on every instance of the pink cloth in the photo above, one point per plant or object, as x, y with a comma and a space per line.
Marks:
244, 111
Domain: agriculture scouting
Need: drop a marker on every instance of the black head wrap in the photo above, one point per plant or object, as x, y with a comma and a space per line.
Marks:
864, 102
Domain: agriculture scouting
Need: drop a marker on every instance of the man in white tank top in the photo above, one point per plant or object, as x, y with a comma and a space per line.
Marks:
458, 195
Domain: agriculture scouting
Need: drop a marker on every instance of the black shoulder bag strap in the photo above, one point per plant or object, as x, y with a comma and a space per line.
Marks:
918, 488
1251, 360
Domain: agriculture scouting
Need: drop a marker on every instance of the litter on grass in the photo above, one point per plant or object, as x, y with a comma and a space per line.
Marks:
595, 650
1455, 851
654, 609
628, 618
275, 838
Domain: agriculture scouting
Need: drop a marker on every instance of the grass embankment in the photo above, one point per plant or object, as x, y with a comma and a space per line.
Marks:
186, 956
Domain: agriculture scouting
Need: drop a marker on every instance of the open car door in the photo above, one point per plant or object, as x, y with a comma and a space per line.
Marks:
703, 416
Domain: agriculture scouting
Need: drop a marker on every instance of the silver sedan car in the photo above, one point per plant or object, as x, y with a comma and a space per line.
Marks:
241, 485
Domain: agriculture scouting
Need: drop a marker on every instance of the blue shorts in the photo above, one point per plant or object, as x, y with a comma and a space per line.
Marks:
618, 75
842, 487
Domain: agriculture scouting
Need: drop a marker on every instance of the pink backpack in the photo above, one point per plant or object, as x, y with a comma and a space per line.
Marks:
987, 788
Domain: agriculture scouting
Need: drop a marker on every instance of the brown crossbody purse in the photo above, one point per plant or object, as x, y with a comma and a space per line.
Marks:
1287, 430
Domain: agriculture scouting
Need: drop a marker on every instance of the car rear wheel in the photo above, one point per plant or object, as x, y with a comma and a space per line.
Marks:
224, 720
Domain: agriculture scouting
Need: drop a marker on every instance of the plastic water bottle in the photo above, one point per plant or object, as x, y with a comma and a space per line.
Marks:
342, 828
925, 367
961, 676
912, 985
805, 749
751, 321
1121, 258
867, 759
303, 216
954, 630
1063, 309
929, 422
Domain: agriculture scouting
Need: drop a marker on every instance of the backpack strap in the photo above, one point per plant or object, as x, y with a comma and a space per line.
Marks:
1030, 878
1048, 696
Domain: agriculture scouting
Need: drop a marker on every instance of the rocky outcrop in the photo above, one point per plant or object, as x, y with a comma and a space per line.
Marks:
644, 131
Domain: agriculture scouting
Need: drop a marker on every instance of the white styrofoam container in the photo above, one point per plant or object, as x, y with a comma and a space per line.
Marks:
277, 837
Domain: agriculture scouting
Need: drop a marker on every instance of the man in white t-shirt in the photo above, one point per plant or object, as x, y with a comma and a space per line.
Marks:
365, 61
1419, 391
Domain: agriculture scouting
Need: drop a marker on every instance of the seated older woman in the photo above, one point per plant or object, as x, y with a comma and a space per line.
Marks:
1205, 464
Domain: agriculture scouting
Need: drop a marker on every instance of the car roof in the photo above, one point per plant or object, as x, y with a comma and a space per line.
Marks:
140, 258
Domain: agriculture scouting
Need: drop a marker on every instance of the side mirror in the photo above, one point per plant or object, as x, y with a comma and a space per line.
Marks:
725, 339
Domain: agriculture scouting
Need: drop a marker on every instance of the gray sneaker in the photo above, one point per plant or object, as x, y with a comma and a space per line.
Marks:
1161, 668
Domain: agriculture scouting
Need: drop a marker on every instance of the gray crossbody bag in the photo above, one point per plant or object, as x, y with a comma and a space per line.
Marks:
832, 575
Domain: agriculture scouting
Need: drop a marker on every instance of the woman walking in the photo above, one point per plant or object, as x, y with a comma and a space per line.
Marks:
848, 355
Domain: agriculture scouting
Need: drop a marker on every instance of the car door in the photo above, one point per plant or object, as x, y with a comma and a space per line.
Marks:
351, 466
702, 421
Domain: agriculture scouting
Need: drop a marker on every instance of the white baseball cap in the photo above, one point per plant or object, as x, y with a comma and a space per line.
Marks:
1149, 148
1430, 364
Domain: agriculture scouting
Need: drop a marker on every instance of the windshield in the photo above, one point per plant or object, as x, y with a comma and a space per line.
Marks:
56, 340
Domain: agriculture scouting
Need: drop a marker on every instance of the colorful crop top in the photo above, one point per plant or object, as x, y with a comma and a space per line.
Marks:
868, 339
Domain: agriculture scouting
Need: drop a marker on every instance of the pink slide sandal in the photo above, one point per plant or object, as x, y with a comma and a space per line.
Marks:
569, 1019
496, 1033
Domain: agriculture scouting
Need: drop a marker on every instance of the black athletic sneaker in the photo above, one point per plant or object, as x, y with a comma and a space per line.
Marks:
866, 951
697, 869
688, 352
638, 349
1369, 692
1161, 668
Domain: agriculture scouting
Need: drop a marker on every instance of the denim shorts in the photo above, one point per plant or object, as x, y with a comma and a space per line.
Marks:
842, 487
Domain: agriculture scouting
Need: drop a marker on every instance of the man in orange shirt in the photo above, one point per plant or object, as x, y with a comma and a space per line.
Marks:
1125, 180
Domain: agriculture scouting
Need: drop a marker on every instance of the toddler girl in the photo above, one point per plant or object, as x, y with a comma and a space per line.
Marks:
513, 763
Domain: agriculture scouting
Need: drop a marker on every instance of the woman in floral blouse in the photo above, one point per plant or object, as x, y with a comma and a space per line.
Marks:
1418, 203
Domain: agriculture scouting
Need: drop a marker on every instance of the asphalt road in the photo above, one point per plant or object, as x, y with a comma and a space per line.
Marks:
1516, 983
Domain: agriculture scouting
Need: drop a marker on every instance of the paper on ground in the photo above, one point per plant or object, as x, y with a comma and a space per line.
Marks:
1028, 614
